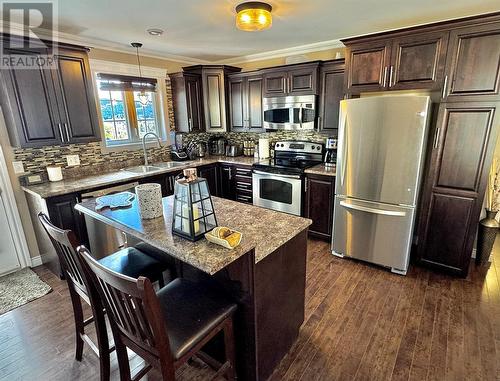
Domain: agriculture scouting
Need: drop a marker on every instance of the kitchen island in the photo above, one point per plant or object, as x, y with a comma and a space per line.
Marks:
265, 274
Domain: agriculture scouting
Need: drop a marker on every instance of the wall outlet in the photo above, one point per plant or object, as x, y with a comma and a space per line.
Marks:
73, 160
18, 167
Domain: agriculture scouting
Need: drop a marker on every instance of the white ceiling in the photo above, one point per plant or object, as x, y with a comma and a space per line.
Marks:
205, 30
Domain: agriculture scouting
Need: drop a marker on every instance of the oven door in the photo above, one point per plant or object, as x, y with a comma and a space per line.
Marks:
277, 191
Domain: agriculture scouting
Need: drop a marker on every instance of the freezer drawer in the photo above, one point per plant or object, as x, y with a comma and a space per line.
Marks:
373, 232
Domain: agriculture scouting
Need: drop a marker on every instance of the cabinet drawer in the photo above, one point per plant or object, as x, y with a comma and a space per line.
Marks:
248, 199
241, 171
243, 186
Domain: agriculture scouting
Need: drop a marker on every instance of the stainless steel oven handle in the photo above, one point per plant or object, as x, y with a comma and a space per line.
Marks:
276, 175
372, 210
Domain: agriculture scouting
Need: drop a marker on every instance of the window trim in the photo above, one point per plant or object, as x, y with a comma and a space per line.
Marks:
160, 99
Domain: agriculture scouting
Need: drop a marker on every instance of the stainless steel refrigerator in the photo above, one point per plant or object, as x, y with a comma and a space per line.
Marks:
381, 148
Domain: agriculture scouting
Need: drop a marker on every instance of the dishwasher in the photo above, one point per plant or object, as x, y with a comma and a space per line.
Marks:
104, 239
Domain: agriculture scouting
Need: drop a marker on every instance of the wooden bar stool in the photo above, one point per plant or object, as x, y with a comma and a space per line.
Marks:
130, 261
166, 328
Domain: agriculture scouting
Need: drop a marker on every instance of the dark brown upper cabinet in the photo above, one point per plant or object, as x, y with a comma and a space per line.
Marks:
300, 79
275, 83
75, 97
331, 93
418, 61
367, 66
473, 63
461, 150
29, 106
50, 106
214, 87
187, 101
414, 61
245, 102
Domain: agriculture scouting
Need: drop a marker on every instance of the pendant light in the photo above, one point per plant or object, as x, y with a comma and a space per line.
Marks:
253, 16
143, 98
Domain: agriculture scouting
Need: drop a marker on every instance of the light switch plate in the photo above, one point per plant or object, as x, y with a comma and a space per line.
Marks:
18, 167
73, 160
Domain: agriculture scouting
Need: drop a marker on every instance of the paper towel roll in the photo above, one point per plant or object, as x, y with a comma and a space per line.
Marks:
263, 148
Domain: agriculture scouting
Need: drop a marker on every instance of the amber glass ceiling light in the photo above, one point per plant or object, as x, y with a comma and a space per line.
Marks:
253, 16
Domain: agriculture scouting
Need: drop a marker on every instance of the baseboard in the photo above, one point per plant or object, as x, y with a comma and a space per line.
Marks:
36, 261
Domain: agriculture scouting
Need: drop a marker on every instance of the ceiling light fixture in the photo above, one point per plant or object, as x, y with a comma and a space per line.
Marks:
143, 98
155, 32
253, 16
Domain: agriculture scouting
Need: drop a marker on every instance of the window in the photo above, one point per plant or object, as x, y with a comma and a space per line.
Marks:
128, 108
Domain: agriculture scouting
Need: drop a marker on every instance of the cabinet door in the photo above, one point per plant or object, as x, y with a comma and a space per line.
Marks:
418, 61
237, 103
193, 101
226, 182
303, 81
460, 158
319, 205
254, 103
331, 93
210, 174
275, 83
75, 96
62, 213
367, 66
214, 95
29, 106
473, 63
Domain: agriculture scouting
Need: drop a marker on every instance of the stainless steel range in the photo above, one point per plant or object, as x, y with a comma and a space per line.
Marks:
278, 183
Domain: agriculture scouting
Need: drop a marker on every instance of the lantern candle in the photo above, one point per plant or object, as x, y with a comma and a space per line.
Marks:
193, 212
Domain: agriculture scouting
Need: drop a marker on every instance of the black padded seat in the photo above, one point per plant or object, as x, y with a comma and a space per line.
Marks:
191, 310
135, 263
157, 254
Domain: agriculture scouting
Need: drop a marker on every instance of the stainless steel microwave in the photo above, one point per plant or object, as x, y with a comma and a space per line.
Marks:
290, 113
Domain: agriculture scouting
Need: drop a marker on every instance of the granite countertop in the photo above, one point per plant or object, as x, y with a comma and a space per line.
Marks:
321, 169
51, 189
263, 230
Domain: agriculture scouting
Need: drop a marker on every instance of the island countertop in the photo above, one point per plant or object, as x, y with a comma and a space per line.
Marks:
263, 230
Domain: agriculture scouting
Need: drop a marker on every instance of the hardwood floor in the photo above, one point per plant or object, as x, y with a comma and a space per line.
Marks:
362, 323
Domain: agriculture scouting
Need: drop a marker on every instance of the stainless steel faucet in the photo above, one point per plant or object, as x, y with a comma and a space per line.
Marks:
146, 161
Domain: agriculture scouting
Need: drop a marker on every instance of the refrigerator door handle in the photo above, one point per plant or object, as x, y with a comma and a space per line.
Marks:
383, 212
343, 157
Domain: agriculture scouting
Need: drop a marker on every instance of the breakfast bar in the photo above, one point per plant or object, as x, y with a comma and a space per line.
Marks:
265, 274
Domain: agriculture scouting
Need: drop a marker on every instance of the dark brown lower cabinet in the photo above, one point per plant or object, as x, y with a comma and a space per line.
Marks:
461, 152
166, 181
226, 182
209, 172
235, 182
62, 213
318, 204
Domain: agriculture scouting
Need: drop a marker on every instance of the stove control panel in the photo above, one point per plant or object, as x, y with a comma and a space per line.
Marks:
299, 146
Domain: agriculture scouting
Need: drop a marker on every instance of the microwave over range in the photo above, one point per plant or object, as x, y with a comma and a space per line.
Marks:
290, 113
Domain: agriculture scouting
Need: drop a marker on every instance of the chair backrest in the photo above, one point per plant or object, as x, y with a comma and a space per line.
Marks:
133, 309
65, 244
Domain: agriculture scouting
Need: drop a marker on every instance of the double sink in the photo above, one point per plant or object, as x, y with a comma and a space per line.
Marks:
143, 169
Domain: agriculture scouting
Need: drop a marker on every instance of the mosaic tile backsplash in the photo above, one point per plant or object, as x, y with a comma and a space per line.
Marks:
239, 137
92, 159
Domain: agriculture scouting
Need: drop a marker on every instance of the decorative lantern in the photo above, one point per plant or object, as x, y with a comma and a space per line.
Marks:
194, 213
